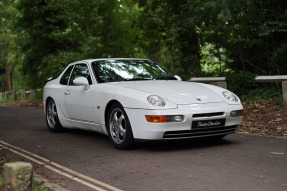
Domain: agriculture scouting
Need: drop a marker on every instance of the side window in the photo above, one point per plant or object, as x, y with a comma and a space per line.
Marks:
80, 70
65, 78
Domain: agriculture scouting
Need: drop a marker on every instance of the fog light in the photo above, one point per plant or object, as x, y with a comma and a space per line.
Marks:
175, 118
236, 113
164, 119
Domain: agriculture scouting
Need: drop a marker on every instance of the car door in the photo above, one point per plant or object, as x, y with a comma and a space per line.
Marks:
79, 103
63, 87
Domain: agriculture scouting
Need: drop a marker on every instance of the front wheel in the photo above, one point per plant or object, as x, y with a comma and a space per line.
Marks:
119, 128
52, 119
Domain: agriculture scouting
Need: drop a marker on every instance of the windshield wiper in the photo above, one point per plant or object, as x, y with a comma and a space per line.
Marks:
155, 78
164, 78
136, 79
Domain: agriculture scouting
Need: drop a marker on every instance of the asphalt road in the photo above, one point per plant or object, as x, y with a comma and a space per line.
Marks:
239, 162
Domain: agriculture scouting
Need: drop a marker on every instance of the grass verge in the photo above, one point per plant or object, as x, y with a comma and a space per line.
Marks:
27, 103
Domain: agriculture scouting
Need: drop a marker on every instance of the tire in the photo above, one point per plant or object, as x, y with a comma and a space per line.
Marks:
52, 119
119, 128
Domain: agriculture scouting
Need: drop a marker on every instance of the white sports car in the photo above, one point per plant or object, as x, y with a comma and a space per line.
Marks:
135, 99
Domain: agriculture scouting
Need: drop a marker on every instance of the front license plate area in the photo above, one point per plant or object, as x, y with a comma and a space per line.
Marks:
208, 123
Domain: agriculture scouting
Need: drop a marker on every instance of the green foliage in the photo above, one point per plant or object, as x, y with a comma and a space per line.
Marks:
57, 33
9, 100
189, 38
41, 20
38, 98
173, 40
264, 93
1, 178
38, 186
241, 83
254, 32
213, 61
8, 46
244, 85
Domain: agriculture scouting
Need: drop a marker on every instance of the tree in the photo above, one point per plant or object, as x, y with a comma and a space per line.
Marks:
39, 20
59, 32
7, 41
253, 32
169, 26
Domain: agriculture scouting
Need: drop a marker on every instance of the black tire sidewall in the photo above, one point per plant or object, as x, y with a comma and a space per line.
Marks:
129, 142
58, 127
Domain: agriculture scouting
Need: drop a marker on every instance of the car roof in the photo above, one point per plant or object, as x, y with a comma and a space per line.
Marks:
89, 61
98, 59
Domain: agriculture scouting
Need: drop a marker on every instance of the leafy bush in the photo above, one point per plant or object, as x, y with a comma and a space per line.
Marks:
241, 83
264, 94
244, 85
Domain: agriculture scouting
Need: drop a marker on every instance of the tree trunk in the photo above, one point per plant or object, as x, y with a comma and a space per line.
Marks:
4, 50
8, 77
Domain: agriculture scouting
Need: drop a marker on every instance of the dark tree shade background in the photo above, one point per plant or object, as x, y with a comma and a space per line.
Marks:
190, 38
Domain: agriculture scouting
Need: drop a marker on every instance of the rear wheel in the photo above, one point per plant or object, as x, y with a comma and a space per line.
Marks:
52, 119
119, 128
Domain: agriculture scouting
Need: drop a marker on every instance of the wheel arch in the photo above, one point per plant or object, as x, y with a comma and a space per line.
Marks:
128, 141
107, 109
46, 103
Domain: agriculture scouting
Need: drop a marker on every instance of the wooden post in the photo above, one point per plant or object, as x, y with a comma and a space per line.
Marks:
2, 95
23, 94
284, 91
14, 95
32, 94
220, 84
7, 95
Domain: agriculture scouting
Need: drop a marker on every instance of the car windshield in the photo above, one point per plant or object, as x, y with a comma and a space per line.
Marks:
129, 70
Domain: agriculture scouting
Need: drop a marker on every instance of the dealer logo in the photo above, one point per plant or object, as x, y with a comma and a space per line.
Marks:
208, 124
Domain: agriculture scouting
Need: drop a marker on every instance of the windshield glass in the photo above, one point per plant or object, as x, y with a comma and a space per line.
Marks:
129, 70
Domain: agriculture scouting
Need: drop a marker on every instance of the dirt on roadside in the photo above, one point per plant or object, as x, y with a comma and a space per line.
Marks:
264, 118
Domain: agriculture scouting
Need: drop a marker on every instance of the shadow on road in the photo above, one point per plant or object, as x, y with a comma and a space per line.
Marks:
187, 144
103, 141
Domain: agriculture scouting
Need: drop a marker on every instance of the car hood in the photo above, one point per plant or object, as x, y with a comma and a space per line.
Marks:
178, 92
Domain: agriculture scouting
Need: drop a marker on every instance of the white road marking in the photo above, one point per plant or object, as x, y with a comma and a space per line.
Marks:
73, 177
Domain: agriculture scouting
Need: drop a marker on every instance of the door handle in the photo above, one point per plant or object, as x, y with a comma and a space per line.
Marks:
67, 92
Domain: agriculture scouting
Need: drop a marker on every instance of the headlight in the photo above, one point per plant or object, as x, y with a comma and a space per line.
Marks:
230, 96
156, 101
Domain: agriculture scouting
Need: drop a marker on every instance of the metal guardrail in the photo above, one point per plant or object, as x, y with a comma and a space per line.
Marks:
218, 81
221, 82
279, 78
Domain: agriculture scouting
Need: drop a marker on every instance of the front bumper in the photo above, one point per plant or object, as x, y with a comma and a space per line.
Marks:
182, 130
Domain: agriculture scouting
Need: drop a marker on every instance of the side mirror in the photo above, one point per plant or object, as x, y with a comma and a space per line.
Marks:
82, 81
178, 78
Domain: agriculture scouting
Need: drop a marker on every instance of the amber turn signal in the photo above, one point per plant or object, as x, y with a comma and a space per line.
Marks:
156, 119
164, 119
